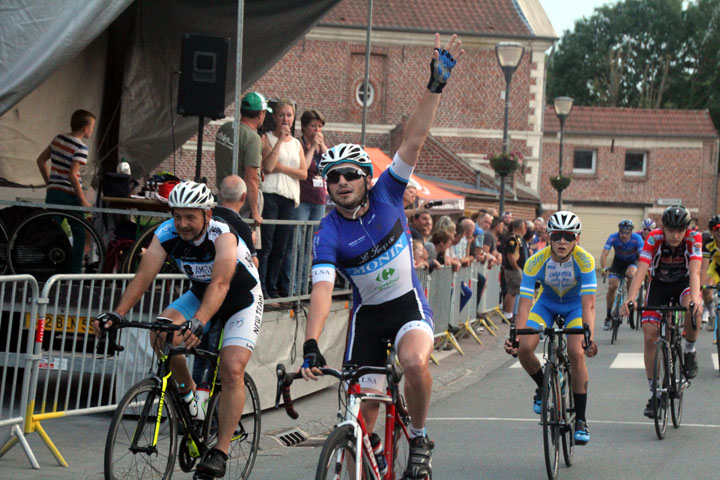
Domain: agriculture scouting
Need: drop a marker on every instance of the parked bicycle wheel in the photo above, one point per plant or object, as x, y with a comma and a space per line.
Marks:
568, 408
660, 390
130, 452
551, 416
245, 441
338, 457
677, 379
4, 237
46, 243
136, 251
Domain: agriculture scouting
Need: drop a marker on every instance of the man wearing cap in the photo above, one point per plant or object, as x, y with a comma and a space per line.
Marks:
252, 111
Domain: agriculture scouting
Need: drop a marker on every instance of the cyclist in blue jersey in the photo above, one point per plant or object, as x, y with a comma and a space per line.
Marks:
223, 281
366, 239
566, 273
627, 247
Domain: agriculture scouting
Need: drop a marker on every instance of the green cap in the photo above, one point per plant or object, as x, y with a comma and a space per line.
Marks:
255, 102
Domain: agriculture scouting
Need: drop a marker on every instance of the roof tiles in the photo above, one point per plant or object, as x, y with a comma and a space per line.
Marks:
633, 122
466, 16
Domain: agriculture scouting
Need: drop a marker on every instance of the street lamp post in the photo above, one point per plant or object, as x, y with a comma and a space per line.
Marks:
563, 105
508, 55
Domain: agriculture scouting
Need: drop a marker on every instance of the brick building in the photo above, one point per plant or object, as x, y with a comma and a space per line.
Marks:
630, 163
325, 71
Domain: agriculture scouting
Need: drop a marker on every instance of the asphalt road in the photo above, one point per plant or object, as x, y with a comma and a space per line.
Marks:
480, 419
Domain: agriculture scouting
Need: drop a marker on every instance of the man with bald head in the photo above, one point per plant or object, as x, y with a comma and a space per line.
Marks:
232, 195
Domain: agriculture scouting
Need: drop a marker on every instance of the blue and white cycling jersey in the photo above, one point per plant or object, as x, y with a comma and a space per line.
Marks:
626, 251
374, 252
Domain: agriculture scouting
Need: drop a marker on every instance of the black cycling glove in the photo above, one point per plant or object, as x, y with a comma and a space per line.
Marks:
440, 71
113, 317
196, 327
311, 355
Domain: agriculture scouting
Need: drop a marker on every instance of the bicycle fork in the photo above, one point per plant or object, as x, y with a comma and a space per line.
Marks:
362, 441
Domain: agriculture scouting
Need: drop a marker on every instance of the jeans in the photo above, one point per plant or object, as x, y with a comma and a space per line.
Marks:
274, 241
305, 211
78, 230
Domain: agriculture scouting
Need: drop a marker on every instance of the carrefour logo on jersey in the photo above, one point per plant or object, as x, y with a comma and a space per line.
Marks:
381, 260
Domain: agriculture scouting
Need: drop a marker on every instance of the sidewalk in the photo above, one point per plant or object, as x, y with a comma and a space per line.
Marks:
81, 439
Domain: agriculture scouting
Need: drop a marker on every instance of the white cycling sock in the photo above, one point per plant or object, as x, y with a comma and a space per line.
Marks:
417, 432
689, 347
508, 315
650, 384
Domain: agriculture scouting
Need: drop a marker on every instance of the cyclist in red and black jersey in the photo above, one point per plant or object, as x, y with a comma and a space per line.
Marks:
673, 256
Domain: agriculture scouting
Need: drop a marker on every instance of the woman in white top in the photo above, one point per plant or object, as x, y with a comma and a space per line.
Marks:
284, 165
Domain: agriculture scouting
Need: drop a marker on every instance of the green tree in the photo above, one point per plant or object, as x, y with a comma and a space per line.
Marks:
642, 54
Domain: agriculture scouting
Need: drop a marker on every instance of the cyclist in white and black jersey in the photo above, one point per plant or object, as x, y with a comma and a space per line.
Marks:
224, 285
367, 240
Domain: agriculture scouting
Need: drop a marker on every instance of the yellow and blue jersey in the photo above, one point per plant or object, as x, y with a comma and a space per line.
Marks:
562, 286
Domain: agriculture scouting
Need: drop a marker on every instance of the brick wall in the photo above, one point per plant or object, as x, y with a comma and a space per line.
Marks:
682, 171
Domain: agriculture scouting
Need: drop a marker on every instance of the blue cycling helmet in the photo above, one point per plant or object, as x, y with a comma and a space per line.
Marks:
345, 153
648, 224
626, 224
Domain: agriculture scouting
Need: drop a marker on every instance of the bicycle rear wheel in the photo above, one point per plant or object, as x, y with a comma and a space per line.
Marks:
676, 392
245, 441
660, 390
4, 237
338, 457
568, 408
129, 450
551, 421
43, 245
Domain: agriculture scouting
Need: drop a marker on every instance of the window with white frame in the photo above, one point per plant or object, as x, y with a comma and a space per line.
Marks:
584, 161
635, 163
360, 93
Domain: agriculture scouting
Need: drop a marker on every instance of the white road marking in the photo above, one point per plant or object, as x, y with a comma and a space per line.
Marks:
715, 360
537, 420
538, 355
628, 360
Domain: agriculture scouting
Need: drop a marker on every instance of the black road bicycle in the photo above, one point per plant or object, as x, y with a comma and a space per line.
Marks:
558, 408
152, 425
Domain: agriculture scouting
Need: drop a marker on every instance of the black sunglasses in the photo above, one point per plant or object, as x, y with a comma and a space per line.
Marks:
350, 174
567, 236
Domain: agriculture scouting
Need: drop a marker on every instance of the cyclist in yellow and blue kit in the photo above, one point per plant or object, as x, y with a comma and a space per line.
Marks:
566, 273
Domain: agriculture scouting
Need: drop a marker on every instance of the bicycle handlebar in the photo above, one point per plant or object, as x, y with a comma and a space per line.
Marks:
585, 331
667, 308
348, 373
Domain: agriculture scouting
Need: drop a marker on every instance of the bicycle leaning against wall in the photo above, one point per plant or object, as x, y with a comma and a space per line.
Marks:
153, 427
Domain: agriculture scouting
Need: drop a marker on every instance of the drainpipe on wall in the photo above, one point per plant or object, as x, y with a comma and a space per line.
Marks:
714, 153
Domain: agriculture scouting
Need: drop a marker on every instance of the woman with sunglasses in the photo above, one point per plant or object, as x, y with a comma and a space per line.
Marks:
566, 273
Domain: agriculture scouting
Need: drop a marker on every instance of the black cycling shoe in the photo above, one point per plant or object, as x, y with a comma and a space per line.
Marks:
420, 459
213, 465
691, 366
650, 409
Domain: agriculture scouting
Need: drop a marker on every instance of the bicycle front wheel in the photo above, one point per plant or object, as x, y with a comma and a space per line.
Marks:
130, 449
568, 410
338, 457
551, 421
660, 390
245, 439
52, 242
615, 326
401, 444
676, 392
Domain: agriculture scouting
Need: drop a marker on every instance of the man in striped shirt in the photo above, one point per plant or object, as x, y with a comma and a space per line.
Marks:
67, 153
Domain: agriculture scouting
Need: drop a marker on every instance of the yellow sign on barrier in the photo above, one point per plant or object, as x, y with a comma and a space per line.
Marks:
69, 323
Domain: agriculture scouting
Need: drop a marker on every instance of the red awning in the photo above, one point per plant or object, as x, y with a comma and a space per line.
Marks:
427, 190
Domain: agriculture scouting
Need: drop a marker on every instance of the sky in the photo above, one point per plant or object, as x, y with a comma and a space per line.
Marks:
564, 13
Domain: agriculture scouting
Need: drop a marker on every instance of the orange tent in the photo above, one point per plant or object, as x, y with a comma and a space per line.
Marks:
427, 190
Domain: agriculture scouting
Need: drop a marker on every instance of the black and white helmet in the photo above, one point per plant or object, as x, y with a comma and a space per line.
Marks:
676, 216
345, 153
191, 195
564, 221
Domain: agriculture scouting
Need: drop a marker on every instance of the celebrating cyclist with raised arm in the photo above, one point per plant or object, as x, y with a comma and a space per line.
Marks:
366, 239
566, 273
673, 256
627, 247
224, 281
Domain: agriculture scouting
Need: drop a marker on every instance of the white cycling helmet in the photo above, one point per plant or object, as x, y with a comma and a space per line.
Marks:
564, 221
648, 223
191, 195
345, 153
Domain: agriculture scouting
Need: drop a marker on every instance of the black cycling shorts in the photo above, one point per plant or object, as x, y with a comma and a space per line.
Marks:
663, 293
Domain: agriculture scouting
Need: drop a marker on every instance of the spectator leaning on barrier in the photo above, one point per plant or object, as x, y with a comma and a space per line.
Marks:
252, 115
513, 263
420, 255
441, 241
421, 225
467, 227
67, 153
